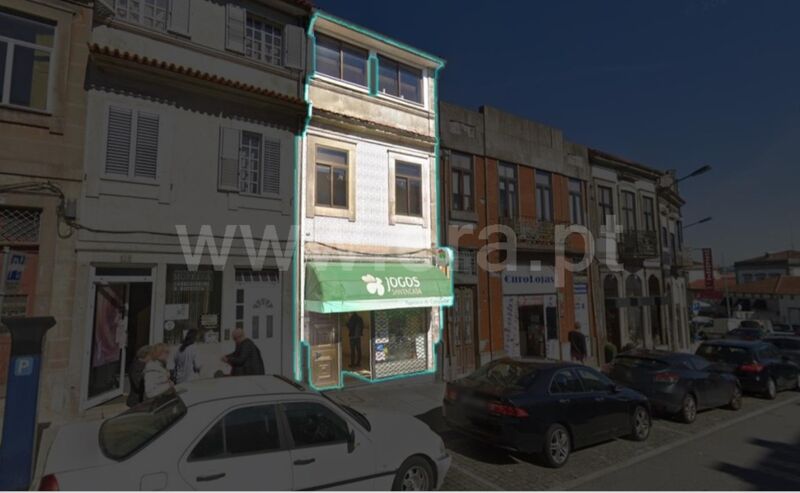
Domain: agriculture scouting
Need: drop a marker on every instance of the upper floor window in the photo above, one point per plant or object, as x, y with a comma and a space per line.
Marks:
507, 177
148, 13
461, 182
628, 209
331, 177
648, 210
341, 60
605, 201
400, 80
263, 40
132, 143
544, 196
576, 201
679, 229
249, 162
408, 189
26, 49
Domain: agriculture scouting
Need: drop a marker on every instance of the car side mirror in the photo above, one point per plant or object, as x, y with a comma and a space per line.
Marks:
351, 441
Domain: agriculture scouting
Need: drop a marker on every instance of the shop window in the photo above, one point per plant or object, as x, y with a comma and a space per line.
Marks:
401, 342
193, 300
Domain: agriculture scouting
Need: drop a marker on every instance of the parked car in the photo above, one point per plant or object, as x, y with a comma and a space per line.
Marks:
788, 345
756, 324
719, 328
747, 334
246, 433
677, 383
759, 365
786, 329
544, 407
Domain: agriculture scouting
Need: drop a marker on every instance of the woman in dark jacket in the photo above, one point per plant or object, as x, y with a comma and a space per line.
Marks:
136, 377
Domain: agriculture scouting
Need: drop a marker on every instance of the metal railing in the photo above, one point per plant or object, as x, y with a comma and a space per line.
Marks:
638, 244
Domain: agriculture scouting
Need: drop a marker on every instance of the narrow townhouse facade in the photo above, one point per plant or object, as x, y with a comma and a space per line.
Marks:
508, 185
640, 258
372, 276
43, 51
194, 112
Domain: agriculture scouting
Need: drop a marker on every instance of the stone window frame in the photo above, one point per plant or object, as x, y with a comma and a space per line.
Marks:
312, 209
424, 163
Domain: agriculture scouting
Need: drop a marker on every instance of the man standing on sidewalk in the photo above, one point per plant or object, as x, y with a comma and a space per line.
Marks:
246, 358
355, 327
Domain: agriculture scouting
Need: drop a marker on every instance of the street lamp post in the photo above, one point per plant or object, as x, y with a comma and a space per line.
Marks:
701, 221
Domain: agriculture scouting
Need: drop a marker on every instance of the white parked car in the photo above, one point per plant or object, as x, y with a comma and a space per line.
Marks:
246, 433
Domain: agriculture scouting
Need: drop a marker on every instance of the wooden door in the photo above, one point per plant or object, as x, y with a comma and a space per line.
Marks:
462, 333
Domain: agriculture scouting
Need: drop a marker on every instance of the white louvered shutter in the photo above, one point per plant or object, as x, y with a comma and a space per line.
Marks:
146, 156
234, 31
179, 16
118, 140
272, 167
294, 43
228, 177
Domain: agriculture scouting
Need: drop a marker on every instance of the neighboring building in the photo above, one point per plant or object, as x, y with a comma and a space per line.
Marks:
368, 210
502, 170
641, 278
194, 111
43, 51
774, 298
785, 263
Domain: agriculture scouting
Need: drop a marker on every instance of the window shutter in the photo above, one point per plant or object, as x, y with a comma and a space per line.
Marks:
294, 39
236, 19
146, 156
272, 167
179, 16
118, 140
228, 159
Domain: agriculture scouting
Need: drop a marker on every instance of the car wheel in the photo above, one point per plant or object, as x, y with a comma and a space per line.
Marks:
640, 423
736, 398
772, 389
415, 474
688, 409
557, 446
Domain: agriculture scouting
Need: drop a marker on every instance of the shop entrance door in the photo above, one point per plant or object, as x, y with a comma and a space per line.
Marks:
120, 324
532, 331
461, 332
258, 312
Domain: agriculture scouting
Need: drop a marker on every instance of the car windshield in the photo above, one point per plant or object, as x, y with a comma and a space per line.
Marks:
640, 362
750, 324
506, 374
356, 415
128, 432
725, 354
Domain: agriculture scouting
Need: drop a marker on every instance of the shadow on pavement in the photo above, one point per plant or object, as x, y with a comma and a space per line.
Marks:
469, 447
777, 470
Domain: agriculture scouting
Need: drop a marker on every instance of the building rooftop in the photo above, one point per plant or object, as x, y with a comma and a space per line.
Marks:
772, 258
778, 285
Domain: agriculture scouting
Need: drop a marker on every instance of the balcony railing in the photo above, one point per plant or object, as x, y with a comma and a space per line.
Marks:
530, 231
638, 245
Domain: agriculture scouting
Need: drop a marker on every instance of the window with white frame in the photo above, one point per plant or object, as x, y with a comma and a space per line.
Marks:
576, 201
407, 189
263, 40
26, 50
250, 162
132, 143
605, 201
628, 209
648, 210
331, 177
544, 196
399, 80
507, 181
149, 13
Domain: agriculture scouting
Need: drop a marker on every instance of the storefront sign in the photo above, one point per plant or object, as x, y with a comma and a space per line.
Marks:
522, 279
708, 269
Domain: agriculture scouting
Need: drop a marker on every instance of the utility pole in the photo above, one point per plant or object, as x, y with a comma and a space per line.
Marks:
725, 286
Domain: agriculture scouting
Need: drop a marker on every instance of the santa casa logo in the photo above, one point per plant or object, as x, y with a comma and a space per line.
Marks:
374, 284
397, 285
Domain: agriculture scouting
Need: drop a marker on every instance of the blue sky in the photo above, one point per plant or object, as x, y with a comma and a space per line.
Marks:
674, 84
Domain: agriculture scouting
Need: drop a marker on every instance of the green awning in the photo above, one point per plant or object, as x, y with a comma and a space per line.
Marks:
335, 287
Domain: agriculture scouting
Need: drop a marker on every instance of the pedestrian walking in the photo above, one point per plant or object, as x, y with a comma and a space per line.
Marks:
185, 358
136, 377
355, 329
156, 375
577, 343
246, 358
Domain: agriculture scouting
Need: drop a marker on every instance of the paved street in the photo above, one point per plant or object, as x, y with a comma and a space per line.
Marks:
756, 447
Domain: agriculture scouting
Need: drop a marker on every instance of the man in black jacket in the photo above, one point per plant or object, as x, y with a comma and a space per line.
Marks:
246, 358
